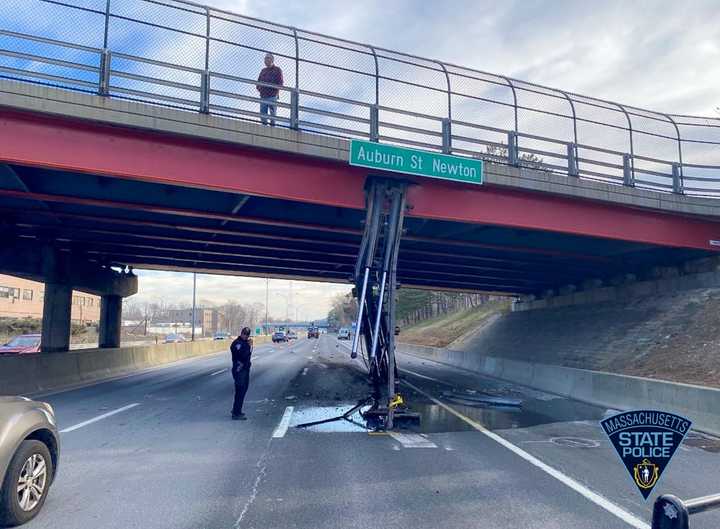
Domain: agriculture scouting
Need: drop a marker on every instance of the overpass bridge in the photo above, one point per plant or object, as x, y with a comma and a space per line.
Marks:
120, 152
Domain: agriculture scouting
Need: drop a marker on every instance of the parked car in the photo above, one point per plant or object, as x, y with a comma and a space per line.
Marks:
291, 335
279, 337
23, 344
344, 334
221, 336
29, 452
313, 332
175, 338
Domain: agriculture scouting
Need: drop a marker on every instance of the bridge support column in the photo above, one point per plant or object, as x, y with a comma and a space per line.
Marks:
57, 307
110, 321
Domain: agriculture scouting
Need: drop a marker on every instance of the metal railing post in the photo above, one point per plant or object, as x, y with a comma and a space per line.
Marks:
205, 92
513, 158
628, 176
374, 123
677, 179
104, 81
573, 169
446, 136
295, 109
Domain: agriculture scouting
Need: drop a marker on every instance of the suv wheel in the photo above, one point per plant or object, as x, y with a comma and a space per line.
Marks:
26, 483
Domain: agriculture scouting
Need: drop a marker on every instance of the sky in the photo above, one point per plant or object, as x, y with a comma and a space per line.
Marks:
652, 54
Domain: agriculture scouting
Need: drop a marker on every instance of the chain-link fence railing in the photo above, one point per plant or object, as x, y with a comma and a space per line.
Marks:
193, 57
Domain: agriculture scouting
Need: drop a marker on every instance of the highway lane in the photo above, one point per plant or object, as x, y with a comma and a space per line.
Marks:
174, 459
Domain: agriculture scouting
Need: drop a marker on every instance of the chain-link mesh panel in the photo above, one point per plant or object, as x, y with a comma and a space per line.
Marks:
655, 146
346, 74
603, 137
541, 110
59, 21
154, 83
477, 101
159, 33
59, 56
701, 154
411, 88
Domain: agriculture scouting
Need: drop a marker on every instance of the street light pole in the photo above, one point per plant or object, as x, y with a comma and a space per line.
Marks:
267, 301
192, 335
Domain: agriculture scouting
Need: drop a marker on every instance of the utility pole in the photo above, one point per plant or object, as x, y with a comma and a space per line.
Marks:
192, 332
267, 301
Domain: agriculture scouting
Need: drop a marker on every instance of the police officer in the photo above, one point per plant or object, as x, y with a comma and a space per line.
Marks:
241, 350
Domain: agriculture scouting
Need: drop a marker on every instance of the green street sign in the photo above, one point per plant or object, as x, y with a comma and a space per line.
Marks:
412, 161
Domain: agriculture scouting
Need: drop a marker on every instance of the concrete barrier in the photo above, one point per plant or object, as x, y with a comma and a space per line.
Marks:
700, 404
34, 373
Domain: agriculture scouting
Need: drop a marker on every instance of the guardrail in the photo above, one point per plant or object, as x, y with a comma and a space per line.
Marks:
184, 55
670, 512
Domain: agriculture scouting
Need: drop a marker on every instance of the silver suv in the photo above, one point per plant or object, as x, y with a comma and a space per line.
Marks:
29, 450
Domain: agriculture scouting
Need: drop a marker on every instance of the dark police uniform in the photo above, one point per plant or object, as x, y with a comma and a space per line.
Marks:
241, 351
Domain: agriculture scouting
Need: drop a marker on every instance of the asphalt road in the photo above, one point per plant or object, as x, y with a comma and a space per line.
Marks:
158, 450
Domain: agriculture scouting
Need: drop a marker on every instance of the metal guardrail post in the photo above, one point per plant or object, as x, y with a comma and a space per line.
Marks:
513, 158
677, 179
374, 123
205, 92
573, 169
446, 136
105, 65
628, 176
295, 110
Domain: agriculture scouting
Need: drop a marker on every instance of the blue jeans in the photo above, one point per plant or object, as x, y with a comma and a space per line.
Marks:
268, 107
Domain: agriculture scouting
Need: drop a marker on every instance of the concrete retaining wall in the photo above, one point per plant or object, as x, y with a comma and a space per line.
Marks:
33, 373
699, 403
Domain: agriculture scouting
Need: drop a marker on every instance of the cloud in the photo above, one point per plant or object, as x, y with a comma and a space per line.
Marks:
304, 299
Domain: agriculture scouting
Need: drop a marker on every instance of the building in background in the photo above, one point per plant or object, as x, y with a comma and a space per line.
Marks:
210, 320
22, 298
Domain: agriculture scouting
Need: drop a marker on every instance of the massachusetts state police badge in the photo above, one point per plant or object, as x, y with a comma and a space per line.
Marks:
646, 441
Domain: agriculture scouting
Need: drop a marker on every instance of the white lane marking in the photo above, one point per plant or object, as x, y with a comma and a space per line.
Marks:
219, 371
282, 426
99, 418
581, 489
262, 471
412, 440
422, 376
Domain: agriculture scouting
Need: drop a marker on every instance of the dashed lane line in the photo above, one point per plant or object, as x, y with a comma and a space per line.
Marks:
581, 489
282, 426
219, 371
99, 418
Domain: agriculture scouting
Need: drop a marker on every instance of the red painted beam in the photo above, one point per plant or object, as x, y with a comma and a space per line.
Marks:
51, 142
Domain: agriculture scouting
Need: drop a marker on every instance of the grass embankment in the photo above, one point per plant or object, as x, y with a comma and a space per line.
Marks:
443, 330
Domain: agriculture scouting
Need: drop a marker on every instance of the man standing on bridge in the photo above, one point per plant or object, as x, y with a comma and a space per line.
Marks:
269, 94
241, 350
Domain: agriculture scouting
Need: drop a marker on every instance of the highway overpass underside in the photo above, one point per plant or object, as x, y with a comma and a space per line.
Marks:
113, 221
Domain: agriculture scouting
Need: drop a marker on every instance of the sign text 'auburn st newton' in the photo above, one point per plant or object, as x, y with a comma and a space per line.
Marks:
415, 162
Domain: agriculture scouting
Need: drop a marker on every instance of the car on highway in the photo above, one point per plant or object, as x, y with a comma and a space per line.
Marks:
344, 334
279, 336
23, 344
29, 452
221, 336
292, 335
175, 338
313, 332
